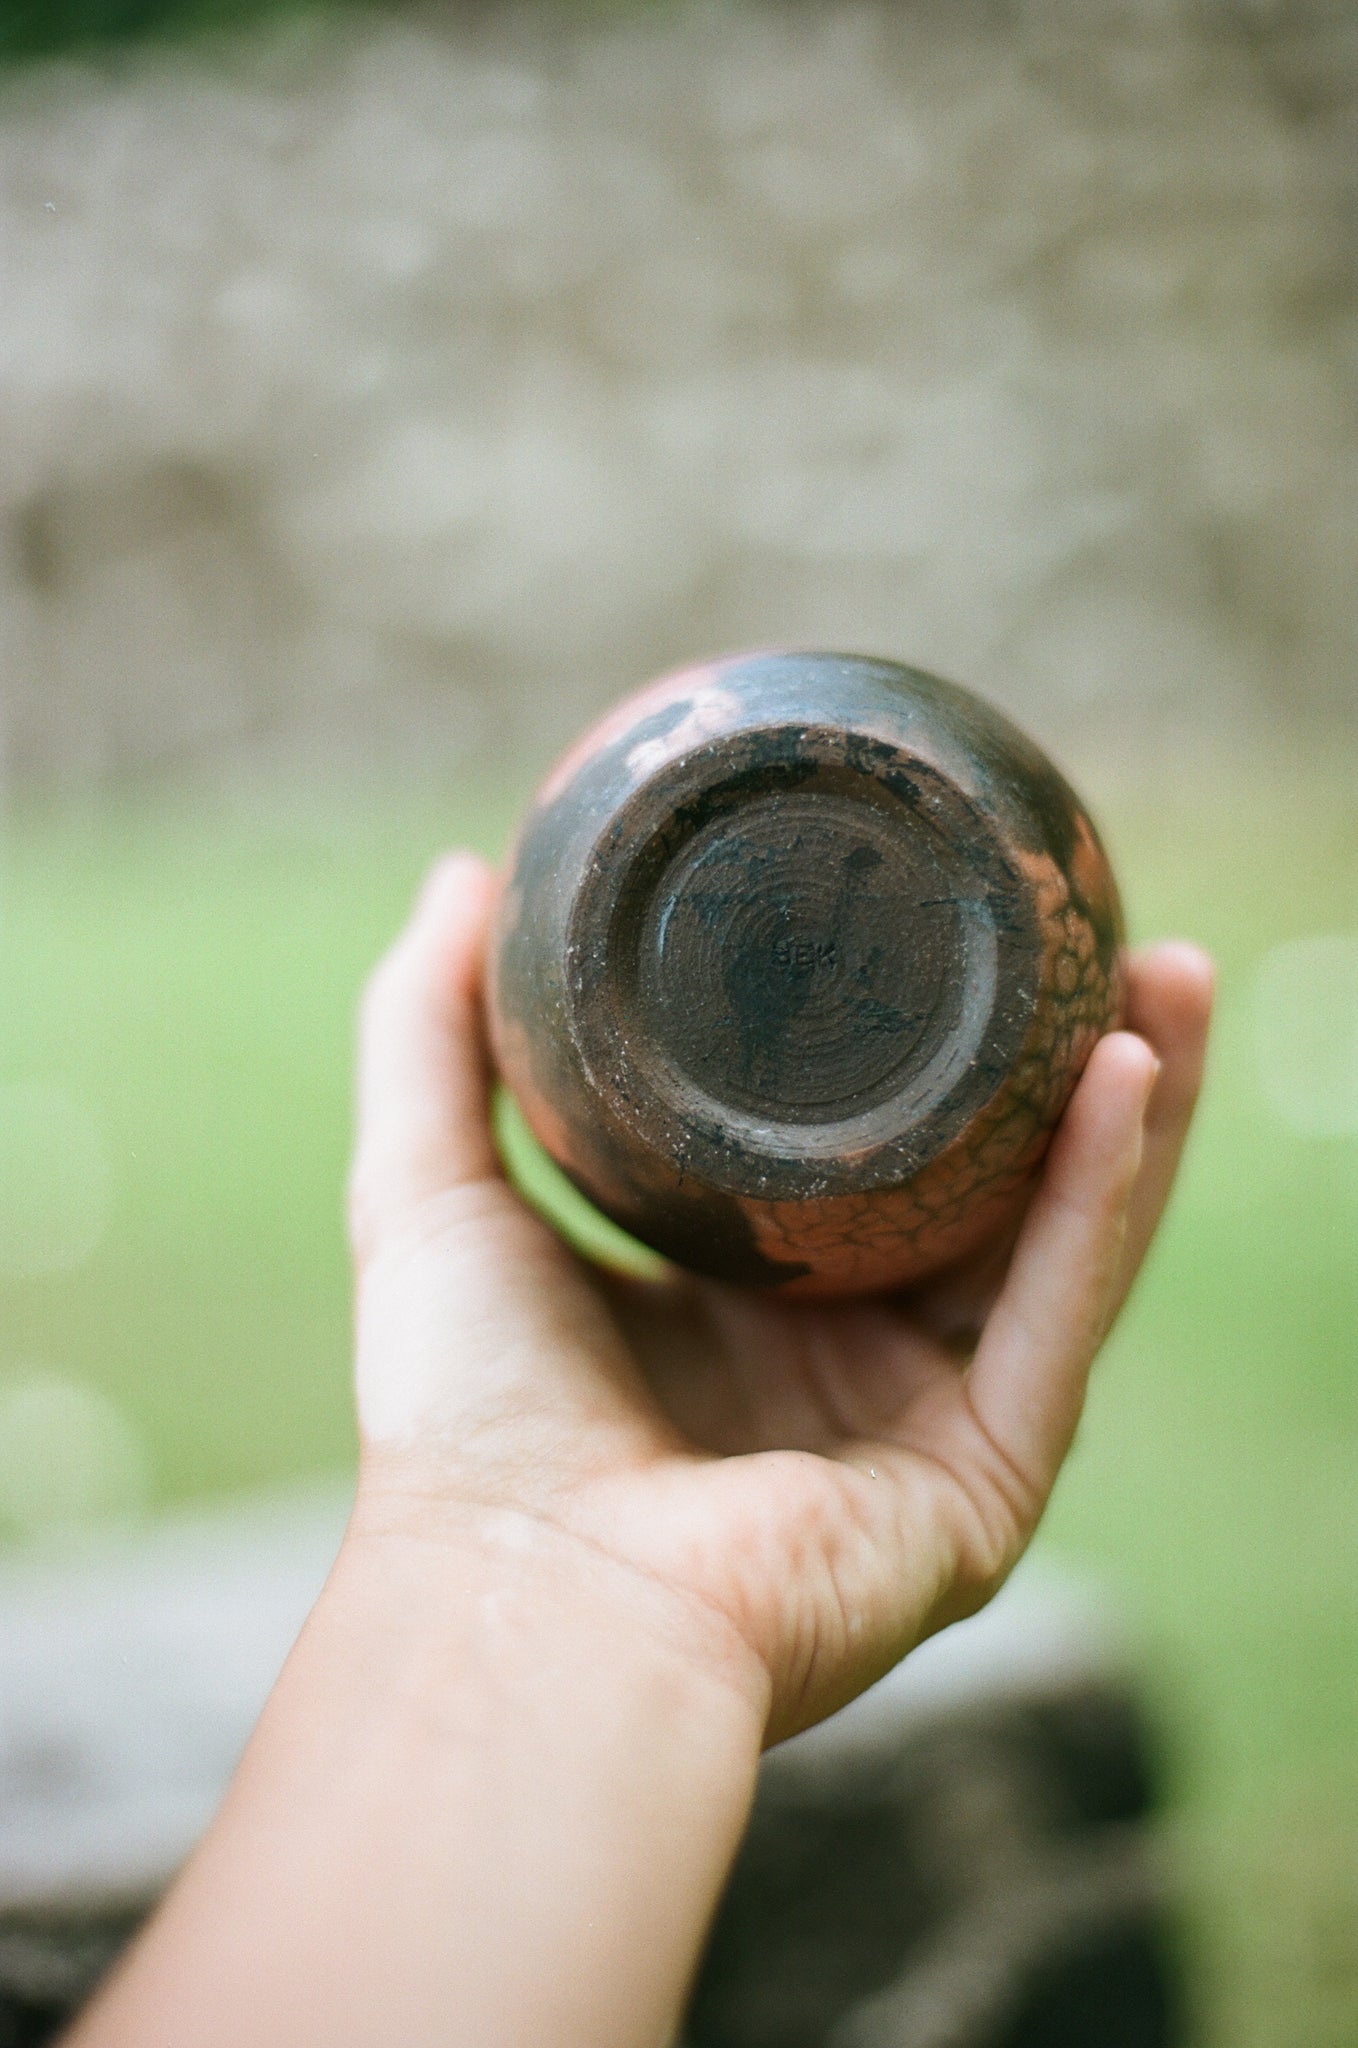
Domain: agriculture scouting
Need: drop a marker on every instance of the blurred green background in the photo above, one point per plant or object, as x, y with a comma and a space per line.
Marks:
381, 393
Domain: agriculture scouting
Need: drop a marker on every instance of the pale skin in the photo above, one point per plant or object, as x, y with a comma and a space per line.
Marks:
609, 1541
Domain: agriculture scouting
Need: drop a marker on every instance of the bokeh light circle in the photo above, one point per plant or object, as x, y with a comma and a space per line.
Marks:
68, 1454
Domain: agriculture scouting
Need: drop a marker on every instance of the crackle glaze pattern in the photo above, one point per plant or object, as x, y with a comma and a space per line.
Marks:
798, 962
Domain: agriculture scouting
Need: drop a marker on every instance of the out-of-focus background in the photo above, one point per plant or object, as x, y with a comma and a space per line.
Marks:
382, 392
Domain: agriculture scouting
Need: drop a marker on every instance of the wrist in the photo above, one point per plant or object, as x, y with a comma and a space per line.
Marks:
514, 1586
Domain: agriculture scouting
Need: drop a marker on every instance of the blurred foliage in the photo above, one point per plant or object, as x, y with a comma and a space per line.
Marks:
45, 28
31, 28
187, 971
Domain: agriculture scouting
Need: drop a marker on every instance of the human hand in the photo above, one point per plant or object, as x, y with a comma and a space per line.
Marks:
609, 1538
794, 1494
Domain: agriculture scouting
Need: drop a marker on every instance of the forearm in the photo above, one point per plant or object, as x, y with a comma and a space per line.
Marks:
491, 1801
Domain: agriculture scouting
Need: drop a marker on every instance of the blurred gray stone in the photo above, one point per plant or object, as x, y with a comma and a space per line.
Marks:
401, 388
130, 1677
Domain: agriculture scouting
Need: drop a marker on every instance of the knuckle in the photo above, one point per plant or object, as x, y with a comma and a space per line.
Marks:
998, 1542
989, 1540
1006, 1499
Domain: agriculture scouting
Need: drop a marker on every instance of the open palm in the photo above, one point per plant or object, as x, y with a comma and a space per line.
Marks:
822, 1484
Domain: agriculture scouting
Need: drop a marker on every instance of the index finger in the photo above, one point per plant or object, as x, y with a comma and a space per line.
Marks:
423, 1075
1169, 1004
1026, 1384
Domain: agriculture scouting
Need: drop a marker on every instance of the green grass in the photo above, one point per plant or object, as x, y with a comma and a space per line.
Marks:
188, 972
1215, 1481
191, 979
1214, 1478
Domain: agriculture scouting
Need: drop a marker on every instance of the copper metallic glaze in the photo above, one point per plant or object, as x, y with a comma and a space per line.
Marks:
799, 960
